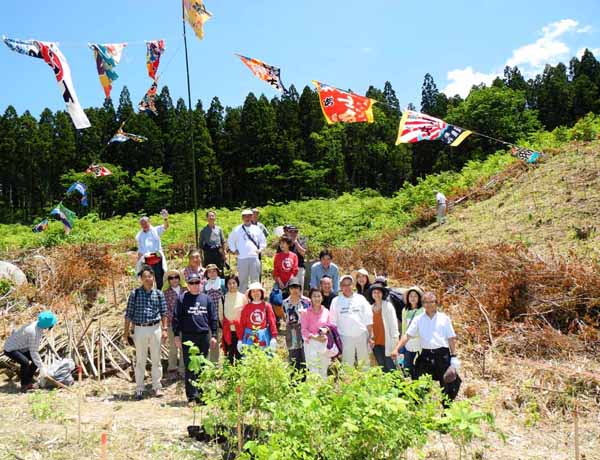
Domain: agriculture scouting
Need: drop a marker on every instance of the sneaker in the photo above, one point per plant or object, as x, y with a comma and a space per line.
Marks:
139, 395
158, 393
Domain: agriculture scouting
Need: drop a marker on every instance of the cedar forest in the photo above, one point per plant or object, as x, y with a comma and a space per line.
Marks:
269, 150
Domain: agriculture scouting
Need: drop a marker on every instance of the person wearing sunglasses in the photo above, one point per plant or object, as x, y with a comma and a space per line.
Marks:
194, 320
175, 366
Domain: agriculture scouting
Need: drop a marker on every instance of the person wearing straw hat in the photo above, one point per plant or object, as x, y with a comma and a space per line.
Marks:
247, 241
385, 327
257, 320
438, 343
413, 299
175, 359
23, 347
195, 318
352, 315
150, 250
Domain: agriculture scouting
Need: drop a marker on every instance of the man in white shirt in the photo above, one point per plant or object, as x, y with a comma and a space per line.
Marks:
442, 208
247, 241
438, 342
353, 316
150, 250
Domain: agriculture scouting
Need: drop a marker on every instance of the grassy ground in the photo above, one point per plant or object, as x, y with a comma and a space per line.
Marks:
554, 207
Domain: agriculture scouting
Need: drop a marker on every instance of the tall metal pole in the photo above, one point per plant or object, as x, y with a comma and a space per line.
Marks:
191, 122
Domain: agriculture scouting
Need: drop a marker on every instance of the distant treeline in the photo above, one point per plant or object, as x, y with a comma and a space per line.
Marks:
269, 150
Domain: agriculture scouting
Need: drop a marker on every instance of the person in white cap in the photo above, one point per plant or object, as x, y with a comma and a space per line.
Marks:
353, 316
257, 321
150, 250
247, 241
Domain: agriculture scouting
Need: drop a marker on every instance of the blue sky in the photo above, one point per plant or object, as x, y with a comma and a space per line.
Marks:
346, 43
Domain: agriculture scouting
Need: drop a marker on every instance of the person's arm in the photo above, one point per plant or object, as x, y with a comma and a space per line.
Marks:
392, 321
336, 280
128, 317
231, 242
262, 241
165, 216
306, 335
163, 316
295, 265
452, 346
213, 320
301, 249
333, 313
223, 247
271, 320
314, 279
34, 351
401, 343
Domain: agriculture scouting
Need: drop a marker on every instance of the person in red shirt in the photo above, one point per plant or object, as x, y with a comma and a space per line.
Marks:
285, 264
257, 321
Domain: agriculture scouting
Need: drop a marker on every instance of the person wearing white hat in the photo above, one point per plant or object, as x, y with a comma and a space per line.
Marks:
353, 316
257, 320
363, 283
247, 241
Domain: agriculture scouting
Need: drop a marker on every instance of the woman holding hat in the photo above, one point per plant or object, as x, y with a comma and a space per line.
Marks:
414, 308
214, 288
257, 320
23, 348
363, 283
385, 327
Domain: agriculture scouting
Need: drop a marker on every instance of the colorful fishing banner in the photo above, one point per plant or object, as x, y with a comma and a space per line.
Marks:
266, 72
154, 50
66, 216
121, 136
41, 227
82, 189
342, 106
148, 102
98, 170
196, 15
107, 57
417, 127
527, 155
50, 53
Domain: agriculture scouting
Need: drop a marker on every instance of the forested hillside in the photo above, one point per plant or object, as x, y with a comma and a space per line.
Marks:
269, 150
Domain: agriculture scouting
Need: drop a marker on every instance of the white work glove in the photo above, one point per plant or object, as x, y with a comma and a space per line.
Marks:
455, 363
164, 213
43, 373
273, 344
146, 254
240, 347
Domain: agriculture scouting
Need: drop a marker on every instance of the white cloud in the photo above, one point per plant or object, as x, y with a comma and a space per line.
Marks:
584, 30
461, 81
595, 52
550, 48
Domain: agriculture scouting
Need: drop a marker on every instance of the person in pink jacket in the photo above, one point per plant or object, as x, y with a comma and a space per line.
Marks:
314, 333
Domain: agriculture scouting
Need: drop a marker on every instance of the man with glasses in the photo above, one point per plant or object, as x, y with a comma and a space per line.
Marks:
353, 316
146, 310
194, 320
438, 342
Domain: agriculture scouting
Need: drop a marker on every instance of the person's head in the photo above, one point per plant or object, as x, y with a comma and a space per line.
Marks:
46, 320
326, 285
146, 274
255, 292
325, 257
212, 271
255, 214
233, 283
295, 287
346, 283
292, 231
211, 217
414, 297
193, 283
430, 303
247, 216
362, 278
316, 298
194, 258
173, 278
379, 292
145, 223
286, 227
285, 242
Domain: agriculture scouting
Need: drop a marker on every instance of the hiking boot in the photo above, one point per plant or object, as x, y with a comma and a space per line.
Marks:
139, 395
158, 393
27, 388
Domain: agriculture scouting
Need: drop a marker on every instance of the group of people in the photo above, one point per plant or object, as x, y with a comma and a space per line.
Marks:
342, 318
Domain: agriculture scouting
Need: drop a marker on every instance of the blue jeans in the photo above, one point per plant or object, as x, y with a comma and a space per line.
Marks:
385, 362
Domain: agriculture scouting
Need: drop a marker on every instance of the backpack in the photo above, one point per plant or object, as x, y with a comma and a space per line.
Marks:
396, 298
276, 297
